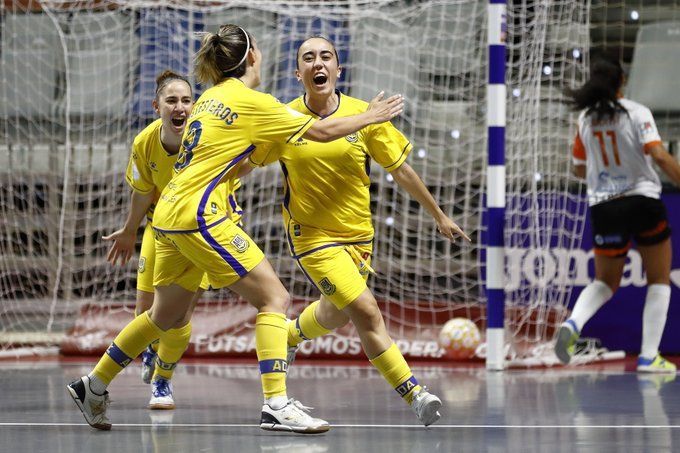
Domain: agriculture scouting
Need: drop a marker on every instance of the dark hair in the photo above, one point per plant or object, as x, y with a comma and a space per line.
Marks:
223, 54
297, 57
599, 94
164, 78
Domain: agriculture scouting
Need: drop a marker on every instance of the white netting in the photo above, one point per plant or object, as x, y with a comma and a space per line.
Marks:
78, 78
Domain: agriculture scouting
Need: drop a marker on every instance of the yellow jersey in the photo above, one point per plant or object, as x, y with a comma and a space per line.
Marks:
150, 168
235, 211
326, 187
226, 124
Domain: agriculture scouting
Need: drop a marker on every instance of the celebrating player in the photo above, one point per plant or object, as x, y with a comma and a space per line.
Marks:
327, 217
615, 146
195, 235
154, 152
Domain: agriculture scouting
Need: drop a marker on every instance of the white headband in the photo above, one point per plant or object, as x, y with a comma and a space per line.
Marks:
244, 56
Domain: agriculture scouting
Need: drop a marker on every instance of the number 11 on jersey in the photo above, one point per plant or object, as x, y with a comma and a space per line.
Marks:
603, 147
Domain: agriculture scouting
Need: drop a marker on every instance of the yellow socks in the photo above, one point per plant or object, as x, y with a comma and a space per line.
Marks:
396, 372
126, 346
153, 345
270, 343
170, 350
305, 327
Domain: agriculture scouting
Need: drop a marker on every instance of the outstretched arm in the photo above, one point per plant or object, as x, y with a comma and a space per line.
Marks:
333, 128
124, 239
409, 180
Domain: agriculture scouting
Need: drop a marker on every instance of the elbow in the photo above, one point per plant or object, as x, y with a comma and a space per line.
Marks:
402, 172
319, 134
661, 160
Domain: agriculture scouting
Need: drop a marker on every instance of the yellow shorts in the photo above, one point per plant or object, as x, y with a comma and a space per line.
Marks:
225, 253
147, 259
340, 272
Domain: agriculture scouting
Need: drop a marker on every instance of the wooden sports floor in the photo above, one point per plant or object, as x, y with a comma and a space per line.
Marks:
596, 408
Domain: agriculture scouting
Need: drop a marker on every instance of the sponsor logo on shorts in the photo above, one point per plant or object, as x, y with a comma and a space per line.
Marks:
296, 230
326, 286
604, 240
141, 267
352, 138
240, 243
213, 208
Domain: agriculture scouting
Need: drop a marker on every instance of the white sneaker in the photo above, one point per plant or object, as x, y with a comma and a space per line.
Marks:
148, 364
426, 406
161, 395
293, 417
92, 406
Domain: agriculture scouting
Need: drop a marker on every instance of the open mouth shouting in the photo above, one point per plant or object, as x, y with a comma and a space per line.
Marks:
320, 79
178, 123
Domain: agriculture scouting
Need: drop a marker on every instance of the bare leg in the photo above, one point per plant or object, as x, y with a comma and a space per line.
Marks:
657, 262
144, 301
329, 316
368, 320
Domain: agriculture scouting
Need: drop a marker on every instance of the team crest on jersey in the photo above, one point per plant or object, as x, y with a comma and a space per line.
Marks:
352, 138
240, 243
326, 286
141, 267
363, 269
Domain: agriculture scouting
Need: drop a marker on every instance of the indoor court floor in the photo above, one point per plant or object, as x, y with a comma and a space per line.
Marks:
600, 408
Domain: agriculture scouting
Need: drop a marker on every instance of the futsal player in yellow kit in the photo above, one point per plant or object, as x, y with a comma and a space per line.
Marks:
154, 152
327, 219
194, 234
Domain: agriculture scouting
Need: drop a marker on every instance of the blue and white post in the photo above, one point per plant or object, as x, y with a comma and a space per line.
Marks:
495, 186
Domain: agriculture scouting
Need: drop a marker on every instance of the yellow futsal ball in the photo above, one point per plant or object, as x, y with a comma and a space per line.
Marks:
459, 337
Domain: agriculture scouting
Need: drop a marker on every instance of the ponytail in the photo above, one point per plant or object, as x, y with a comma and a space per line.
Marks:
599, 95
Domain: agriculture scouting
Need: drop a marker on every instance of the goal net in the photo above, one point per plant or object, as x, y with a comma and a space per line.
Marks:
77, 84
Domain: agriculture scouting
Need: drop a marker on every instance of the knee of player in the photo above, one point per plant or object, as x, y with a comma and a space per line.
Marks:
144, 301
342, 320
184, 320
279, 301
365, 313
163, 320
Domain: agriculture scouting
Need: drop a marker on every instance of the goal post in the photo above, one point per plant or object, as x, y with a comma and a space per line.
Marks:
77, 82
495, 186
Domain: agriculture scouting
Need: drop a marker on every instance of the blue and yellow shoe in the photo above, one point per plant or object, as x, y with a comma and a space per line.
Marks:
161, 395
566, 340
656, 365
